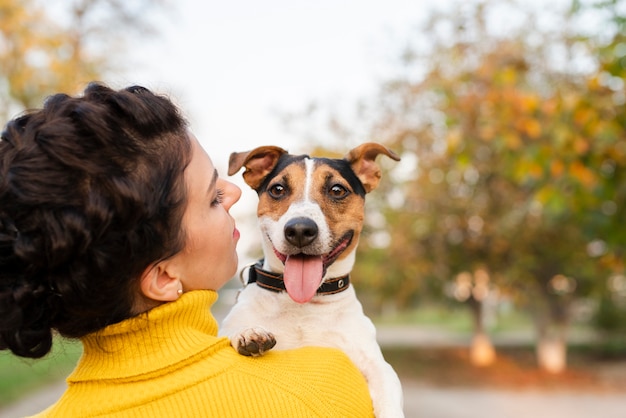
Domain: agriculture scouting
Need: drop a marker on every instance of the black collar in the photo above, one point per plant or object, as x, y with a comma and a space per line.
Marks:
275, 283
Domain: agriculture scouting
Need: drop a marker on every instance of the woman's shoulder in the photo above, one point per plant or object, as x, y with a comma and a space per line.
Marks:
308, 359
305, 382
322, 378
314, 359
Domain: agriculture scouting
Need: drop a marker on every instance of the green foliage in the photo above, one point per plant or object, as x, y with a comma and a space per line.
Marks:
610, 316
519, 162
514, 158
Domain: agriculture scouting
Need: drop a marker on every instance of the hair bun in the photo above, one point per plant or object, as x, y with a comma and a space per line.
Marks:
25, 320
8, 229
25, 315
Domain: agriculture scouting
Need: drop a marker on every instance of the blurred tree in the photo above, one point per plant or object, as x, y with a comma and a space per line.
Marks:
514, 143
56, 45
609, 85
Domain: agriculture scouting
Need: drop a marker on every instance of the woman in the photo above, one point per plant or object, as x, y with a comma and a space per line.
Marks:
114, 228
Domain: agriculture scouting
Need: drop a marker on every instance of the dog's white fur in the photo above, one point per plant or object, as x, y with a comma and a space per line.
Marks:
335, 320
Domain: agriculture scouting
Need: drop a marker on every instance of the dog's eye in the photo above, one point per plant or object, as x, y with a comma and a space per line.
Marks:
338, 191
277, 191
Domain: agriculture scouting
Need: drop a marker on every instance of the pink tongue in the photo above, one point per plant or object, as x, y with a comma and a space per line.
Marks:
303, 276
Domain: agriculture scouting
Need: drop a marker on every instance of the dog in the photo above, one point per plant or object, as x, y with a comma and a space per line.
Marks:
311, 213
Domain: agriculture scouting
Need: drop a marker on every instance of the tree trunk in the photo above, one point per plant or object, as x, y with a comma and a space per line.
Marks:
551, 319
482, 352
552, 354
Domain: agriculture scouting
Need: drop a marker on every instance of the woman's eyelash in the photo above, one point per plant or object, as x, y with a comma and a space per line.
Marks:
219, 197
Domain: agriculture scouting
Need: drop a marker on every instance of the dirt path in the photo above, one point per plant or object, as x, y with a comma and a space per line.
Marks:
430, 402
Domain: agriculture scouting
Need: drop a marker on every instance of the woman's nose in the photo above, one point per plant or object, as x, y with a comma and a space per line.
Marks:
232, 194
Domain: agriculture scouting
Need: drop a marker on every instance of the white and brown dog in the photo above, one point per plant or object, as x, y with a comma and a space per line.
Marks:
311, 214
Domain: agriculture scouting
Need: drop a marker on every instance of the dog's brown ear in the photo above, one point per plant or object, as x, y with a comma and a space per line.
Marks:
259, 163
362, 159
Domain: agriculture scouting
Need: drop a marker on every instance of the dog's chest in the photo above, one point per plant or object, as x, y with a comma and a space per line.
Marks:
333, 320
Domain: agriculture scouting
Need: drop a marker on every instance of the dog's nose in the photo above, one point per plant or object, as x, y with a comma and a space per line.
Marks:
300, 231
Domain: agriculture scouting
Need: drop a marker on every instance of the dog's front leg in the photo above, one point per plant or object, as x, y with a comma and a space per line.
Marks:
245, 324
386, 390
383, 382
253, 341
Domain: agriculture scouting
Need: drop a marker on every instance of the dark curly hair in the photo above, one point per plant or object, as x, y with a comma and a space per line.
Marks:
91, 193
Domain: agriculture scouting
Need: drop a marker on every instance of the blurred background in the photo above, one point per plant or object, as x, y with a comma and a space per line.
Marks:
492, 259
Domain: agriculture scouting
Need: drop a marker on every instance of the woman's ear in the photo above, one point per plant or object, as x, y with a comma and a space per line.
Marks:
157, 284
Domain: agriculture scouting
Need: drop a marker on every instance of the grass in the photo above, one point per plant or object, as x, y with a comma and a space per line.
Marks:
19, 376
456, 319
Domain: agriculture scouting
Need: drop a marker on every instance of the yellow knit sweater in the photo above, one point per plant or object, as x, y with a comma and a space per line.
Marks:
170, 363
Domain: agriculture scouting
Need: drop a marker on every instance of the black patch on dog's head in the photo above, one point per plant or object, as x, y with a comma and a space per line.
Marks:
283, 161
344, 168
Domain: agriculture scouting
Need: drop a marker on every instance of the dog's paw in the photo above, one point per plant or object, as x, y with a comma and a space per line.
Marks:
253, 342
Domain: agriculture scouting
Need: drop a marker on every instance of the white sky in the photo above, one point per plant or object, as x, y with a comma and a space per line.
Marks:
232, 64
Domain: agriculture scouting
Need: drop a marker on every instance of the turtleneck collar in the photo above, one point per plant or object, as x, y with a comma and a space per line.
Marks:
168, 334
